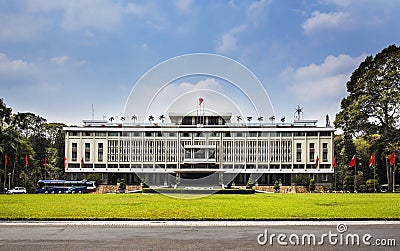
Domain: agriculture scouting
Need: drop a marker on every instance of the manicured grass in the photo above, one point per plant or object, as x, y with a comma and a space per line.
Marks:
213, 207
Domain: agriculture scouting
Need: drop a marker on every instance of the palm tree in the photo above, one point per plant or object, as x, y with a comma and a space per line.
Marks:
238, 118
162, 118
111, 119
272, 119
151, 119
134, 118
122, 118
249, 119
260, 119
283, 119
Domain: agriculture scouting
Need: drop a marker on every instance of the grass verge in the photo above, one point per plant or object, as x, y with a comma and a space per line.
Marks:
212, 207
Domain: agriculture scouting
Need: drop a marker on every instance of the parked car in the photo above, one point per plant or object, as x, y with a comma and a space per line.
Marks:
15, 190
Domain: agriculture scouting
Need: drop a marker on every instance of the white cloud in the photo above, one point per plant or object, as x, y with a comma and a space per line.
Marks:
175, 92
323, 21
14, 70
135, 9
60, 60
99, 14
228, 41
21, 27
65, 64
257, 7
103, 15
341, 3
183, 5
320, 82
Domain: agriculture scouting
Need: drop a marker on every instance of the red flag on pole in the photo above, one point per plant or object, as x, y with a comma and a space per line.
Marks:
6, 159
26, 160
82, 163
334, 162
65, 162
316, 162
201, 100
45, 162
391, 159
372, 160
353, 161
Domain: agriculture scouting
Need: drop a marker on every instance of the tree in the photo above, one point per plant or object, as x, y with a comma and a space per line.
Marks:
373, 103
5, 114
249, 119
260, 119
272, 119
134, 118
238, 118
162, 118
151, 118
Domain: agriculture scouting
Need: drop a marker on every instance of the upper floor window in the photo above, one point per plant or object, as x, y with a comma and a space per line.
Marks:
298, 152
312, 152
325, 152
74, 151
100, 152
87, 151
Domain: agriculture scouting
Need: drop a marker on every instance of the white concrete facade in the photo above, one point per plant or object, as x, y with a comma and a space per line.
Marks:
261, 149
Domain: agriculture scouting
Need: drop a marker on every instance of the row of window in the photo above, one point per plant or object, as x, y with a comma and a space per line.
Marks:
100, 149
232, 151
312, 152
200, 134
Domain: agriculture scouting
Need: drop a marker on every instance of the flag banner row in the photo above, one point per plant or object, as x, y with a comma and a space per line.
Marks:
371, 163
6, 161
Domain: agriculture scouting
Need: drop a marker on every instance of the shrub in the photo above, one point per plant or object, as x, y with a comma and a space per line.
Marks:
312, 185
144, 185
249, 184
94, 177
302, 180
122, 185
277, 187
370, 184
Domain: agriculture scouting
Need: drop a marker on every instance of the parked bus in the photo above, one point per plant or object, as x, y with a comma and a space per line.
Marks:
65, 186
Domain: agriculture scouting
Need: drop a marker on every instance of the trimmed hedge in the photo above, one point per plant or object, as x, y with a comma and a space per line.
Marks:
197, 191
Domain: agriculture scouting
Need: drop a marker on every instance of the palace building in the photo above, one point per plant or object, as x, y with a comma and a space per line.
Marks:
193, 150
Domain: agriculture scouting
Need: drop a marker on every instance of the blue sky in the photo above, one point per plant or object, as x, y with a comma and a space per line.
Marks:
57, 58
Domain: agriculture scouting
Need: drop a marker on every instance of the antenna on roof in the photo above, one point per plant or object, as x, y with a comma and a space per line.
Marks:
299, 111
92, 112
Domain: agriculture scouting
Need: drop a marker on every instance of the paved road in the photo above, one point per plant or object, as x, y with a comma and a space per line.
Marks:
199, 235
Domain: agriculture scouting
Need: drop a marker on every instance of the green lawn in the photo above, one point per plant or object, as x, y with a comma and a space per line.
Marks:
213, 207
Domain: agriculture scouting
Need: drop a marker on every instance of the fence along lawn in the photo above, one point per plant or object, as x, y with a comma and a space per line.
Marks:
213, 207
